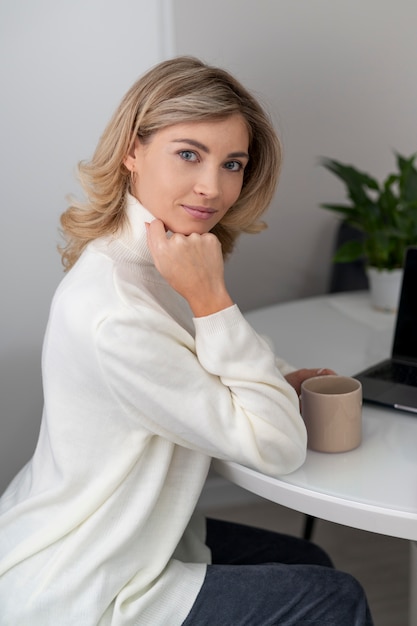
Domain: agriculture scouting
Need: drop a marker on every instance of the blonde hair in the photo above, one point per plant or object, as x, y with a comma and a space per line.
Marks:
182, 89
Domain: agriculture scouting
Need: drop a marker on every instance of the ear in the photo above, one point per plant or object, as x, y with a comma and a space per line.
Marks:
130, 159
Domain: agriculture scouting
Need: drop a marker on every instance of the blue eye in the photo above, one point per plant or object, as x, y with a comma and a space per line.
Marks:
233, 166
188, 155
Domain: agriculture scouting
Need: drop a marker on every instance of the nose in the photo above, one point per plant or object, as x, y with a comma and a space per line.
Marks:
208, 182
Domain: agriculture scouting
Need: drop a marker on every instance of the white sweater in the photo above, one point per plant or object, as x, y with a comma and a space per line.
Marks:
98, 528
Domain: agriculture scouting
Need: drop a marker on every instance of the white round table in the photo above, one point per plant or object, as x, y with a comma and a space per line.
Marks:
374, 487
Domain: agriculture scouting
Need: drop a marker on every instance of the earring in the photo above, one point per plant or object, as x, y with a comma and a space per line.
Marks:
133, 178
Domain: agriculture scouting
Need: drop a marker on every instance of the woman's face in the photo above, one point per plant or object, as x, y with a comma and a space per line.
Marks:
188, 175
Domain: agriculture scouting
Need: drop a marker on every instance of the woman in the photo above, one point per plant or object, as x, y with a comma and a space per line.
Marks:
149, 371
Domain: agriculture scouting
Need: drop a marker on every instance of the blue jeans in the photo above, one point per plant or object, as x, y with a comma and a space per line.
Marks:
262, 578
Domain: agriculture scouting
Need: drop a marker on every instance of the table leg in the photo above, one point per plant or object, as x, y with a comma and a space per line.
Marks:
413, 584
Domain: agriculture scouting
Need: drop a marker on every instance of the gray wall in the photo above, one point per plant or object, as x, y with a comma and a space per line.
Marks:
338, 78
64, 66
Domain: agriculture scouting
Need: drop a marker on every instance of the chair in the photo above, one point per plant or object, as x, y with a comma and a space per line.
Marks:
348, 276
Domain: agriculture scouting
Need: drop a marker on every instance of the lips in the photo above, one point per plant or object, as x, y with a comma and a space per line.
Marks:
199, 212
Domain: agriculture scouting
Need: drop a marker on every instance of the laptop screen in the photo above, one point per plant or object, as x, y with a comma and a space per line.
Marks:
405, 337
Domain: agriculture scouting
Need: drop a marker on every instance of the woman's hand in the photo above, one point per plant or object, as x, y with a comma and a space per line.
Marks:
299, 376
192, 265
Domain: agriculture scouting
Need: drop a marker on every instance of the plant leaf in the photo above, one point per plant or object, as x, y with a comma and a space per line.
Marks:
408, 177
356, 181
349, 251
386, 214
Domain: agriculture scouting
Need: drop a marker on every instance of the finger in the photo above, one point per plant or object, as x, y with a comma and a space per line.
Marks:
324, 371
155, 232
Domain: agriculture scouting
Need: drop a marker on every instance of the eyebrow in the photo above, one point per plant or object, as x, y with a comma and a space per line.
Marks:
201, 146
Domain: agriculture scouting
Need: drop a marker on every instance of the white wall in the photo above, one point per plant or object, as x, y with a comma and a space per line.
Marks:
64, 66
340, 81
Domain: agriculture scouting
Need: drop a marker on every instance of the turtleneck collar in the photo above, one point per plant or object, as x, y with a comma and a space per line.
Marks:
131, 243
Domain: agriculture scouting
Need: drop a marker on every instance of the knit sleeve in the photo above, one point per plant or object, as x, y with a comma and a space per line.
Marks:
219, 393
283, 366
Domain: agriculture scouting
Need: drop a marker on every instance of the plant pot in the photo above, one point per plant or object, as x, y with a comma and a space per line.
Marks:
385, 287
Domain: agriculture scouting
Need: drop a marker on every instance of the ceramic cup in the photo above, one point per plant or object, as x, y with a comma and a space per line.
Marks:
331, 407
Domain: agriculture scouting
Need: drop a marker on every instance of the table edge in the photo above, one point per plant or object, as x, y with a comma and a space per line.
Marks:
363, 516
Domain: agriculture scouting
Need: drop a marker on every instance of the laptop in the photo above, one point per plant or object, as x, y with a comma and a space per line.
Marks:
393, 382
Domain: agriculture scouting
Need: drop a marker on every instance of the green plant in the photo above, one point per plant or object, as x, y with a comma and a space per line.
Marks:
385, 214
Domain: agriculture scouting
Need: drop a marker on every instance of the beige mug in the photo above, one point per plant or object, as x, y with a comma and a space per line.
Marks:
331, 407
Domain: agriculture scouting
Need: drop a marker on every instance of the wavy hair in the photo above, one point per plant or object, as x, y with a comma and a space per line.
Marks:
182, 89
